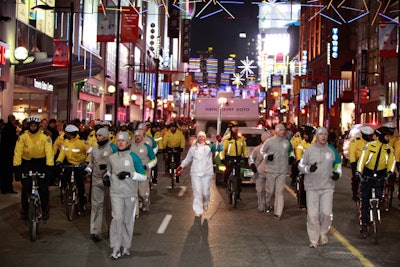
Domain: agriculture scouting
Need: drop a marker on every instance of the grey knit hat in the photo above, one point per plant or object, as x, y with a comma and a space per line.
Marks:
103, 132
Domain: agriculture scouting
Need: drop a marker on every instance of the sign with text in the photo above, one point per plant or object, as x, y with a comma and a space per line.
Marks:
235, 109
129, 24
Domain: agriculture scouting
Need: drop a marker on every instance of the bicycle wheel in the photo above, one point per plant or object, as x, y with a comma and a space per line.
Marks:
375, 223
234, 191
62, 192
173, 177
69, 203
33, 220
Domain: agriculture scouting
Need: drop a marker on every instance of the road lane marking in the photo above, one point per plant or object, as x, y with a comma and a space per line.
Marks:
182, 191
364, 261
164, 224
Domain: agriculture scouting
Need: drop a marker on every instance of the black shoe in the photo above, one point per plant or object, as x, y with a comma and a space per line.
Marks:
363, 231
95, 237
355, 197
238, 198
12, 192
45, 217
24, 217
177, 180
268, 210
154, 181
277, 217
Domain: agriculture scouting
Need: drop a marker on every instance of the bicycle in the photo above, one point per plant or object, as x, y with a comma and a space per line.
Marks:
71, 191
173, 163
374, 208
35, 208
233, 182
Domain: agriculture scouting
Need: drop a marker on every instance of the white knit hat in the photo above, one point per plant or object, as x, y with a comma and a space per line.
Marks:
123, 136
321, 130
201, 133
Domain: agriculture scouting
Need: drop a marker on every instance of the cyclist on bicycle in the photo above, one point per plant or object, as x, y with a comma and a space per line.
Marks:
376, 164
34, 152
355, 149
75, 151
234, 150
173, 138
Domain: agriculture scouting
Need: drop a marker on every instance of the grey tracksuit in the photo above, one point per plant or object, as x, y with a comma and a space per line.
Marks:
319, 187
100, 195
276, 170
146, 154
123, 195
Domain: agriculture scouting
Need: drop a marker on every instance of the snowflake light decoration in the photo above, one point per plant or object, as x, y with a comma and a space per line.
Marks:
237, 79
247, 67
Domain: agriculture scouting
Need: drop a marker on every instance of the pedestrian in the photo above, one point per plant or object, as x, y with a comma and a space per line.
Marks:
257, 165
376, 164
124, 170
7, 145
277, 150
149, 160
200, 154
34, 152
321, 166
100, 194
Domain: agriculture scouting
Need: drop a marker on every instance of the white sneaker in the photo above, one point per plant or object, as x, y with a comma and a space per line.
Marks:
205, 207
198, 214
312, 245
115, 254
323, 240
126, 252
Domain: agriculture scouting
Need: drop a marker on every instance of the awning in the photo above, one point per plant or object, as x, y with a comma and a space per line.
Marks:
58, 76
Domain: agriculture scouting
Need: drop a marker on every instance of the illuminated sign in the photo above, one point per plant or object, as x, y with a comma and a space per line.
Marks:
335, 42
42, 85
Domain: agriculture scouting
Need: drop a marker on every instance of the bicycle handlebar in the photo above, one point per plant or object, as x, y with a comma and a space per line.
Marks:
31, 174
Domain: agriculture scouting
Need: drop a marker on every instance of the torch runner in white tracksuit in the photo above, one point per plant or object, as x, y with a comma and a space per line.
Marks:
201, 172
124, 170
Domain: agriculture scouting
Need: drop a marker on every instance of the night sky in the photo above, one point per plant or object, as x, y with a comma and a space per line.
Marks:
221, 31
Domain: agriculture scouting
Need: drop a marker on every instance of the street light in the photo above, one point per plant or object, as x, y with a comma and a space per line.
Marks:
70, 44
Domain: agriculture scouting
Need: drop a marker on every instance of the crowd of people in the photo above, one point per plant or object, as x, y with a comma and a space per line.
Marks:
119, 163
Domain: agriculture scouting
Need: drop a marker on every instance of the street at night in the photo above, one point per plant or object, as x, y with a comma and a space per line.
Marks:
223, 236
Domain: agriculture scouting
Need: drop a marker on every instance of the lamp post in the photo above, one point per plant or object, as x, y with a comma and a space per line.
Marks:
70, 44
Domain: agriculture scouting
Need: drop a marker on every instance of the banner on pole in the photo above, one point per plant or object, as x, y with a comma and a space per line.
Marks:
105, 25
60, 55
129, 25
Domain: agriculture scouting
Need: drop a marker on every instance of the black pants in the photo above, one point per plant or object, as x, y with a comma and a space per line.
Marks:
34, 165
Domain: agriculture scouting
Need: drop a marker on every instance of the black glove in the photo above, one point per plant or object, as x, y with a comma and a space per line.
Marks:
106, 181
83, 165
358, 176
123, 175
103, 166
270, 157
253, 168
313, 167
389, 176
145, 167
398, 166
291, 160
335, 176
18, 173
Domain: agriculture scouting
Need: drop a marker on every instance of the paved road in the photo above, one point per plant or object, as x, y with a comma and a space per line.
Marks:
222, 237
